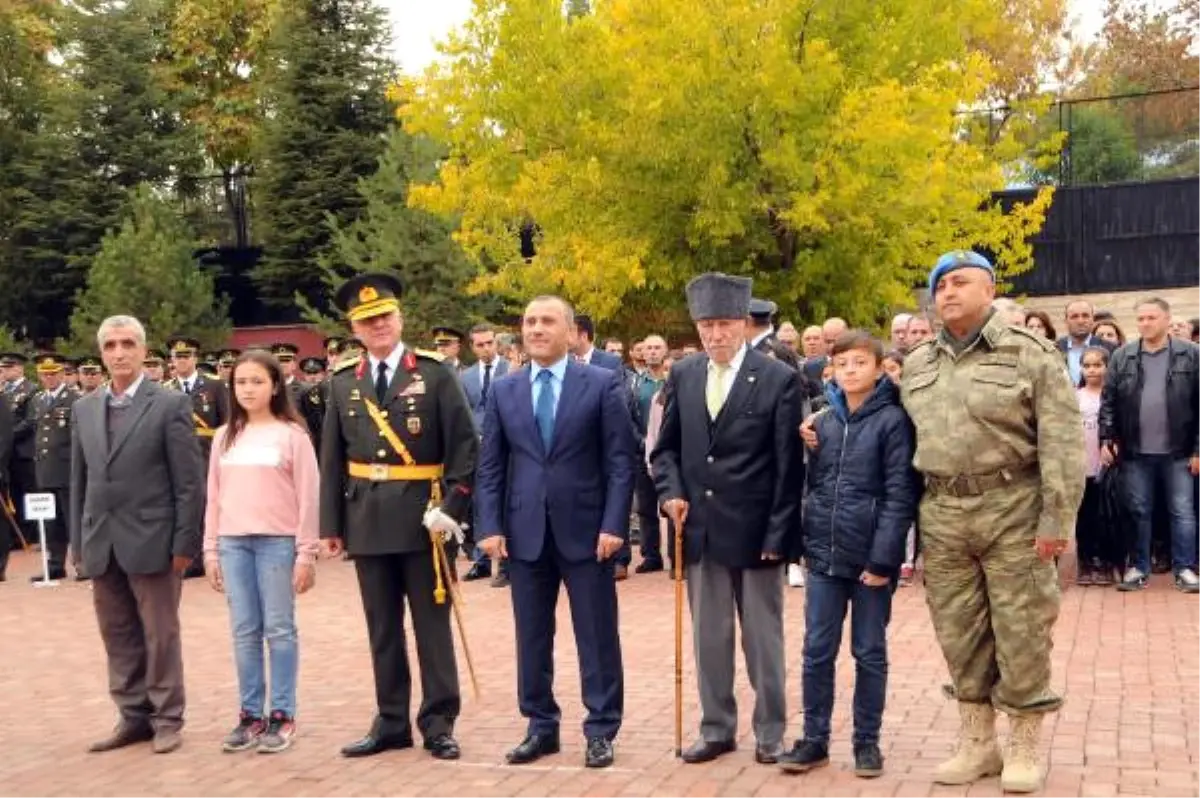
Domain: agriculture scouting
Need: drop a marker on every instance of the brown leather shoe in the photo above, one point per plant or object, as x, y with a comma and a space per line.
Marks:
124, 735
167, 741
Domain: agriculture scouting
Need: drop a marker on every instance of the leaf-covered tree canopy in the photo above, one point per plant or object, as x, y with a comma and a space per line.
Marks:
812, 145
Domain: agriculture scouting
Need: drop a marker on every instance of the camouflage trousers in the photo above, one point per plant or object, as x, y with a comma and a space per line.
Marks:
993, 601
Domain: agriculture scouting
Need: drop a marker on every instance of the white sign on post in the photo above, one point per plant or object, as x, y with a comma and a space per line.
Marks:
40, 507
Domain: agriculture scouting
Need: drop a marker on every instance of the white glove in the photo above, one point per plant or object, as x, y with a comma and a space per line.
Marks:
437, 521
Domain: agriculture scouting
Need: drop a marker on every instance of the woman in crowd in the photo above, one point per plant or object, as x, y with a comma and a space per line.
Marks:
1096, 555
260, 544
1039, 322
1108, 330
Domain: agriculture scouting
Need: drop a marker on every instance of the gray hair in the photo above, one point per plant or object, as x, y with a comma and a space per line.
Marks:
568, 311
113, 322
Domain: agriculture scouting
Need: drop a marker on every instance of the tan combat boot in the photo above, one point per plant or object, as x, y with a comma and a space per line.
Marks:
978, 754
1022, 765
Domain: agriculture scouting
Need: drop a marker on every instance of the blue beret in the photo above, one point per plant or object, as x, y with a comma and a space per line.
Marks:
958, 259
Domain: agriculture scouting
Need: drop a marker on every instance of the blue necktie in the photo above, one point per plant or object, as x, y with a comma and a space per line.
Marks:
543, 413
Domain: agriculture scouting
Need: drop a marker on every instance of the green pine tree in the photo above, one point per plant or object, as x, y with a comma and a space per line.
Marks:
146, 269
329, 111
96, 124
413, 244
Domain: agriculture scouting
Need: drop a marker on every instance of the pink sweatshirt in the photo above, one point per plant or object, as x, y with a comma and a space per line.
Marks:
266, 484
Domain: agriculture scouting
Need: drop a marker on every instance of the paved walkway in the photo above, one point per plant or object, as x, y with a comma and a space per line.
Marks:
1127, 664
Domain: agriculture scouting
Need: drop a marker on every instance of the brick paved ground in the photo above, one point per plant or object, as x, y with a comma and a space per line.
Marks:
1127, 664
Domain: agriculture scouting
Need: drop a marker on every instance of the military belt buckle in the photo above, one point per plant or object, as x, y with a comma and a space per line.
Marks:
380, 472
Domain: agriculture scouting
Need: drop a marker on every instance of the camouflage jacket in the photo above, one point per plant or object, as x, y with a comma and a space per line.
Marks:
1005, 403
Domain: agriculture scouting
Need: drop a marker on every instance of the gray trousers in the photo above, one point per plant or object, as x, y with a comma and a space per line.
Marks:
139, 623
715, 594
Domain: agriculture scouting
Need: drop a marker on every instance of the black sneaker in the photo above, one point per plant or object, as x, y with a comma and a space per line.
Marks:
868, 761
278, 736
1134, 580
245, 735
804, 756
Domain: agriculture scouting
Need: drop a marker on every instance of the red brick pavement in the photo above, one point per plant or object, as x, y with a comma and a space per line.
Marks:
1127, 663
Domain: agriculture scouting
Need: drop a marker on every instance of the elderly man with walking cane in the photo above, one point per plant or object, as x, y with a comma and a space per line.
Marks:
729, 472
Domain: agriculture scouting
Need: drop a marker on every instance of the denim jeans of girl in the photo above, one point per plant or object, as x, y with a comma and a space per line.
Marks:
257, 571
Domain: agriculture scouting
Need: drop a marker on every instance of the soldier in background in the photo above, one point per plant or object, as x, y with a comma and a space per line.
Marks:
8, 539
210, 406
312, 370
761, 333
286, 355
448, 342
71, 374
154, 364
91, 374
19, 392
332, 346
225, 360
52, 454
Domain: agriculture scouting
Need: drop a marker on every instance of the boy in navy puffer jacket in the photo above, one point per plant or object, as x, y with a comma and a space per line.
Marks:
862, 499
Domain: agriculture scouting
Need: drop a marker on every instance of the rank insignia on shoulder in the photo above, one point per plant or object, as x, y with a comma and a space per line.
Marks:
425, 353
347, 364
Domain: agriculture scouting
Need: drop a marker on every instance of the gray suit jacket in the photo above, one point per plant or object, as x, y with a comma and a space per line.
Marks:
472, 383
142, 500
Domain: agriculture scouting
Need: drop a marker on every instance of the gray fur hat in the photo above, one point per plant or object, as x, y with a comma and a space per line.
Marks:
714, 295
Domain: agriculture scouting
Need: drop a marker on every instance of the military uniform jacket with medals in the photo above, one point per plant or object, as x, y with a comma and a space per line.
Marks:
210, 407
52, 455
427, 409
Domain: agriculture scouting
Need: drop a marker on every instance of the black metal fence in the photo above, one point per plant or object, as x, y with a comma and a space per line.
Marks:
1122, 237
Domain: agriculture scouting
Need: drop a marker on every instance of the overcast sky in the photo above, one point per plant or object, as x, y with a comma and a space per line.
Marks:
417, 24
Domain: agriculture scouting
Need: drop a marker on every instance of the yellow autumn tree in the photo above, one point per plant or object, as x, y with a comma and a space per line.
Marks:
815, 146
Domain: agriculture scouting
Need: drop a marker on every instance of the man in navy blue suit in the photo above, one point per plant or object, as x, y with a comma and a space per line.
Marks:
553, 491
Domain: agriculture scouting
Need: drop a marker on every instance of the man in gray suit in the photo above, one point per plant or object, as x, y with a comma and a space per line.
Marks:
477, 383
136, 509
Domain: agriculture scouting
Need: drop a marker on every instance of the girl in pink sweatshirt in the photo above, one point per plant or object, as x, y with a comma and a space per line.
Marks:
260, 543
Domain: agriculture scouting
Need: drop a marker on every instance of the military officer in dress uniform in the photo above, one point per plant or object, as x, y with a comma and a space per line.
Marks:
91, 374
154, 363
52, 453
398, 454
210, 398
448, 342
22, 476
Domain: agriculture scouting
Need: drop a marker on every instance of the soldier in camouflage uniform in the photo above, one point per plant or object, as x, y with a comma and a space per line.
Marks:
1000, 445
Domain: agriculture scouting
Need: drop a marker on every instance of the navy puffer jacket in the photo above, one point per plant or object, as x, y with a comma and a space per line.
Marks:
862, 488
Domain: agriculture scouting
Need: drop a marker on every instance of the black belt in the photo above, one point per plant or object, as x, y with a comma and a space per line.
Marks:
973, 484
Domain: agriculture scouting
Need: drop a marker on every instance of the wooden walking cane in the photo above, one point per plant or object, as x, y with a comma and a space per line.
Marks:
456, 607
679, 640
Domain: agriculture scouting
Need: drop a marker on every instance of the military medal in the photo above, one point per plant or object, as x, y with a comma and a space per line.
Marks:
414, 425
355, 395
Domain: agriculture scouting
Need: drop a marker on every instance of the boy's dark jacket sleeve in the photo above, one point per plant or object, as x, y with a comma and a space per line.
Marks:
898, 508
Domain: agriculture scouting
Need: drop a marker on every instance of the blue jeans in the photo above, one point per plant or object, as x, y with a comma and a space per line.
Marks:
825, 602
257, 570
1143, 474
